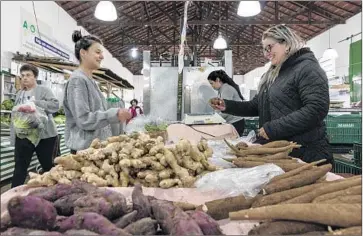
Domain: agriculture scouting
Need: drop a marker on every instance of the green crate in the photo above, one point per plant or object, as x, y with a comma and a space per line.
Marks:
344, 129
357, 153
251, 124
341, 166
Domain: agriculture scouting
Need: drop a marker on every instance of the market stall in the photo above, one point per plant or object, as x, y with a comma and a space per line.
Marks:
186, 179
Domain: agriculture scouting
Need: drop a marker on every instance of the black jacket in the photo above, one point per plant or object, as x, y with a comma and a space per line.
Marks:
294, 106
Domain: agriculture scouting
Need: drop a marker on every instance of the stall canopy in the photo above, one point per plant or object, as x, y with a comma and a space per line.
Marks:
57, 65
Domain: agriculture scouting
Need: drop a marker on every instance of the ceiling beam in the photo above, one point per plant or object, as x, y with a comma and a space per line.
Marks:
142, 43
222, 22
164, 12
340, 8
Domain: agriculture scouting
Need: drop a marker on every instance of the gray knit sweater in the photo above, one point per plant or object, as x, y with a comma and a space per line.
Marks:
87, 116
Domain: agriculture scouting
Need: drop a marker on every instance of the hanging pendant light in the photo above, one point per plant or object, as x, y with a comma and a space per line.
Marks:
106, 11
220, 42
249, 8
330, 53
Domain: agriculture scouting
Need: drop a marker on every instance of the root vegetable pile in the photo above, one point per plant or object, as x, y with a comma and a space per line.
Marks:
299, 201
124, 161
96, 211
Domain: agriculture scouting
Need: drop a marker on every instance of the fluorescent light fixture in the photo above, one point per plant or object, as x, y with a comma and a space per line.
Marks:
249, 8
330, 53
134, 52
220, 42
106, 11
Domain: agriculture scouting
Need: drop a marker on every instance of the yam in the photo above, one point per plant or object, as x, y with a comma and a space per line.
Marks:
285, 227
90, 221
324, 189
276, 144
206, 223
80, 232
349, 191
278, 197
356, 230
65, 204
304, 178
105, 202
32, 212
344, 199
340, 215
145, 226
183, 224
296, 171
185, 206
140, 203
125, 220
219, 209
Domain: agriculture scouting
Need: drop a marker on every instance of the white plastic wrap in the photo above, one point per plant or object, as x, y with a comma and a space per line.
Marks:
138, 123
236, 181
29, 121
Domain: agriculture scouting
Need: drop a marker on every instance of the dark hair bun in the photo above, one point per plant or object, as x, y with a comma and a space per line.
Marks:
76, 36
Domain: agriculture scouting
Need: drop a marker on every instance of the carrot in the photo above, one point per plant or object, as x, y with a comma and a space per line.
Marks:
344, 199
261, 150
341, 215
356, 230
285, 227
327, 188
277, 144
219, 209
304, 178
356, 190
278, 197
296, 171
248, 164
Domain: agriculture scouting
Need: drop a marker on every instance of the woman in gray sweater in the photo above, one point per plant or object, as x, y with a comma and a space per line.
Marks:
85, 107
228, 89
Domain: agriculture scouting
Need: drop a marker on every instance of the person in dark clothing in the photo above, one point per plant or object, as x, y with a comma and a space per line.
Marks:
292, 99
229, 90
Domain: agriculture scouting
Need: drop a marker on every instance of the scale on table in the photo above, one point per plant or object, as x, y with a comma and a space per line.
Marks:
203, 119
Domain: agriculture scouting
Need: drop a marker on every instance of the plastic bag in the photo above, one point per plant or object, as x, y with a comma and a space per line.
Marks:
144, 123
236, 181
29, 121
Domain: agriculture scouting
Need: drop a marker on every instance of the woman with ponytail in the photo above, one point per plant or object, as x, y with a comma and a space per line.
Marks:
229, 90
292, 99
85, 107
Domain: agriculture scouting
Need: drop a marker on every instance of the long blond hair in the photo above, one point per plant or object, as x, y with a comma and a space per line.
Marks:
294, 43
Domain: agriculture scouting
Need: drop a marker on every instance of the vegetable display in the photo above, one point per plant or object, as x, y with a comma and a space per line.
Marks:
35, 214
123, 161
7, 105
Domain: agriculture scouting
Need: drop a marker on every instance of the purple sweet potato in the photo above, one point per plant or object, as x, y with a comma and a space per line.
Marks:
140, 203
163, 213
16, 231
183, 224
145, 226
125, 220
206, 223
32, 212
65, 204
90, 221
105, 202
55, 192
5, 222
79, 232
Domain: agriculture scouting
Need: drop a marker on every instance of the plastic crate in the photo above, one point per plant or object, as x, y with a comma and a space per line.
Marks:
341, 149
344, 129
341, 166
357, 152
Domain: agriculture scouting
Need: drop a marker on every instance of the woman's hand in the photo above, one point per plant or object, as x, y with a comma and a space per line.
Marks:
217, 104
123, 115
263, 134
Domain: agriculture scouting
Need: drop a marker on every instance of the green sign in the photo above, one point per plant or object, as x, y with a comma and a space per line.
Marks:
30, 27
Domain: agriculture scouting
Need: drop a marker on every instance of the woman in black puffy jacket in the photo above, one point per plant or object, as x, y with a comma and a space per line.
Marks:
292, 99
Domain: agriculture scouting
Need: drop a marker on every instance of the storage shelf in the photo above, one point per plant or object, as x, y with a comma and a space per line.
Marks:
345, 109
